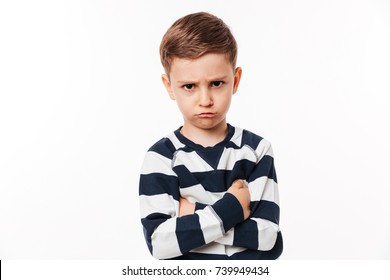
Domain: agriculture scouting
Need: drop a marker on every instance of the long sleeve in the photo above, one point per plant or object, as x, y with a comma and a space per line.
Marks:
261, 230
166, 234
175, 167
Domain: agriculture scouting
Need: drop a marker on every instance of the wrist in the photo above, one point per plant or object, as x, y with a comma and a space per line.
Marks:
229, 210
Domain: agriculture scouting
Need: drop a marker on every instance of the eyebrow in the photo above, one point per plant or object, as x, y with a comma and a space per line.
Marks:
210, 80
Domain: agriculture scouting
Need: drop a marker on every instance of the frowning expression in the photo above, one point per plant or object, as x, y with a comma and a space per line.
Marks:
203, 89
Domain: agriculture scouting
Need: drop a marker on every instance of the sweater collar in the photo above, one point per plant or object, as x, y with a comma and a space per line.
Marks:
196, 146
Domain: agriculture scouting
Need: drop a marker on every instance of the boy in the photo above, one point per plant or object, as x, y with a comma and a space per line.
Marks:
209, 189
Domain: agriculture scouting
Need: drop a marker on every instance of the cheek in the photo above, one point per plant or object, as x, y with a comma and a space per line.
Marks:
183, 104
227, 104
225, 101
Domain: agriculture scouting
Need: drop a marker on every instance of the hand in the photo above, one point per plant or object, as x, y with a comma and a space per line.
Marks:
185, 207
241, 192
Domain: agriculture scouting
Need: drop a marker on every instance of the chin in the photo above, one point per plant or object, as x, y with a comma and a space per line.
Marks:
208, 124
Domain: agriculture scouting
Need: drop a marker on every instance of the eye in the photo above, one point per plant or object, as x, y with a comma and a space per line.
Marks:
188, 86
217, 84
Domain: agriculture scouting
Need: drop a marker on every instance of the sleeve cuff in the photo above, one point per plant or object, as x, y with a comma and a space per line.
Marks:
199, 206
229, 210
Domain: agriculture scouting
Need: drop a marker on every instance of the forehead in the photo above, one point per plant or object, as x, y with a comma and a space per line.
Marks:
207, 66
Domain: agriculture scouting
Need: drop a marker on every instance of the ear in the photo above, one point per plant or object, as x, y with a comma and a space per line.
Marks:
237, 78
168, 86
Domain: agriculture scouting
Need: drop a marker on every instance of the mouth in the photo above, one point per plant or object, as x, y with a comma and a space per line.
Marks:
206, 115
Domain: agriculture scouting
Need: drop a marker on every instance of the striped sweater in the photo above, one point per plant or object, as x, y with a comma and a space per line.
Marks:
176, 167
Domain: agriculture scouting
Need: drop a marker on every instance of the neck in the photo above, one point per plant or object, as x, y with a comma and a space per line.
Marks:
205, 137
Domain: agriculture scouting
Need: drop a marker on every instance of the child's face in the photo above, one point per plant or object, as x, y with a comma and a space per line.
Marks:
203, 89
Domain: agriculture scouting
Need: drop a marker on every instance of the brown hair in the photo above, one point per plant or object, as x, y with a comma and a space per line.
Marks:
195, 35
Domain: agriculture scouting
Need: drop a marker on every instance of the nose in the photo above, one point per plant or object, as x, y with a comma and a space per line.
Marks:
205, 98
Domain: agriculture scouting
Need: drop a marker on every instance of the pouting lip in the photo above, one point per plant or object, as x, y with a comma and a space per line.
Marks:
206, 115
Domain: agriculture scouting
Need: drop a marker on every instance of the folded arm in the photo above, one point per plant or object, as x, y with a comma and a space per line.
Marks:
168, 235
260, 231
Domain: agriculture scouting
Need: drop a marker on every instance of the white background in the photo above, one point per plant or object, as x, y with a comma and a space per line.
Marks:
81, 101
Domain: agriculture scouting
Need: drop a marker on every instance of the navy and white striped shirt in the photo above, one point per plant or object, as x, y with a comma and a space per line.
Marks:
176, 167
